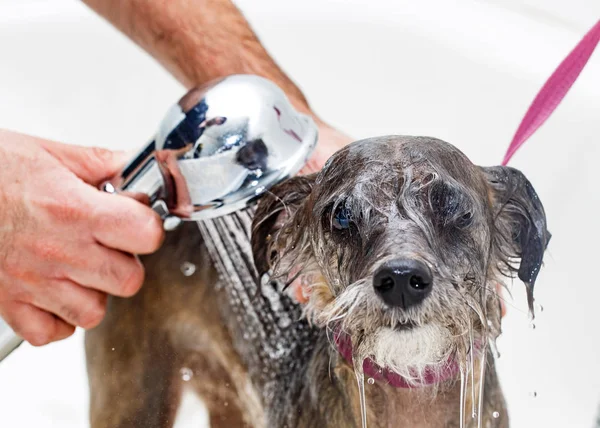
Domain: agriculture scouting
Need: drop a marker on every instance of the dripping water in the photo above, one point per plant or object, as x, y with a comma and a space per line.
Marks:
463, 386
360, 379
472, 364
494, 348
481, 386
186, 374
187, 268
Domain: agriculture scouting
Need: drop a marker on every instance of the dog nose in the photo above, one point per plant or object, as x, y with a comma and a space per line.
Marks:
403, 282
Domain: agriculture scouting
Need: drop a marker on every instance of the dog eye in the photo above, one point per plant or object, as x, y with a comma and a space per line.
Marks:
465, 220
342, 218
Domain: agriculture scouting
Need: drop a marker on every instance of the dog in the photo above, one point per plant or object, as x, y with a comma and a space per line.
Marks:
387, 262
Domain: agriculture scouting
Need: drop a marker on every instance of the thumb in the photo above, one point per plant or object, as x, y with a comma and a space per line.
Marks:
92, 164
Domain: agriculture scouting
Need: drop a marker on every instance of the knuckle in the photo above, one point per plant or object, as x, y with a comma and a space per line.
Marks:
39, 337
95, 312
70, 314
92, 317
114, 273
155, 233
47, 250
98, 157
107, 271
66, 207
134, 280
104, 218
112, 223
21, 294
12, 264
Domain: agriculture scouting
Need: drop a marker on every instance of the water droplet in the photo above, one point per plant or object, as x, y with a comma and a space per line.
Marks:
109, 188
533, 394
188, 269
113, 349
370, 381
171, 223
186, 374
489, 323
284, 322
226, 404
474, 415
532, 326
540, 308
495, 415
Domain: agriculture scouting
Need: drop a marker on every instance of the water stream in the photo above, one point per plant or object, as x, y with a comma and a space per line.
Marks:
360, 379
463, 387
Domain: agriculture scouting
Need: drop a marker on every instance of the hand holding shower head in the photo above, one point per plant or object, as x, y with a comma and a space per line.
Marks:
217, 151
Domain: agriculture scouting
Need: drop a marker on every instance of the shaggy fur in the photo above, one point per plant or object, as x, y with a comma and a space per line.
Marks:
406, 197
412, 198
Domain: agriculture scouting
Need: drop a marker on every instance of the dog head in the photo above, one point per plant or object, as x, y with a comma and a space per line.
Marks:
397, 247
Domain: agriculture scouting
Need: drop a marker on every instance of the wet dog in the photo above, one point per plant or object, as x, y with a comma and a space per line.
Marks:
387, 262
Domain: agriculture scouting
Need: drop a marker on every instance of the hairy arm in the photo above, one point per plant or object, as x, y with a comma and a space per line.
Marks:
196, 41
201, 40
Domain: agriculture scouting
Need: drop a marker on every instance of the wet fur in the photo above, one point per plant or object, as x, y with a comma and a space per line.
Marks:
410, 197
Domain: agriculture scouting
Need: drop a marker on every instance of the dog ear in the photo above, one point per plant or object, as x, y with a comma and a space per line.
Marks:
273, 210
520, 223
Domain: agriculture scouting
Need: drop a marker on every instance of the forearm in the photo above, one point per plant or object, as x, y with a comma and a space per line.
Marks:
196, 41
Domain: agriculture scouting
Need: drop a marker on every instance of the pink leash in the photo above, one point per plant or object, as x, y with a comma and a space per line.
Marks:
554, 90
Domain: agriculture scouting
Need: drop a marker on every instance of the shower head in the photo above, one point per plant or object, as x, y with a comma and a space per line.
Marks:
219, 149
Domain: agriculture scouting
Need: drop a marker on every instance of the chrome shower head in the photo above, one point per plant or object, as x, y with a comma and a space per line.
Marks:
219, 148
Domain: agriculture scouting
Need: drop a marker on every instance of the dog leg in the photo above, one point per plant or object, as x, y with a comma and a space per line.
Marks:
217, 387
133, 357
171, 334
131, 373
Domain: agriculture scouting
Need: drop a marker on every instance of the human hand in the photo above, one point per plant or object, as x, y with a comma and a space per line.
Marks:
64, 245
330, 141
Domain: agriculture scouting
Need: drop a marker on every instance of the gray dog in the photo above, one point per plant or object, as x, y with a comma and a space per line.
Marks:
393, 254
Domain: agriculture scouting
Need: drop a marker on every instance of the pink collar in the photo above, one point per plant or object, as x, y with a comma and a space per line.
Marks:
372, 370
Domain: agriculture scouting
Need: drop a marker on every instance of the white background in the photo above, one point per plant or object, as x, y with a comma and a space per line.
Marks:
464, 71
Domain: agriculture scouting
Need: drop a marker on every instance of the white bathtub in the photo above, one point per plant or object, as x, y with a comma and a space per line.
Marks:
464, 71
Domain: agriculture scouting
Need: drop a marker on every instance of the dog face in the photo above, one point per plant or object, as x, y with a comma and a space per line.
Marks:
398, 244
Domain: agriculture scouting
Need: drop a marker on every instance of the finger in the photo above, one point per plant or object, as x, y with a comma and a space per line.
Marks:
124, 224
92, 164
36, 326
138, 196
108, 271
77, 305
330, 141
